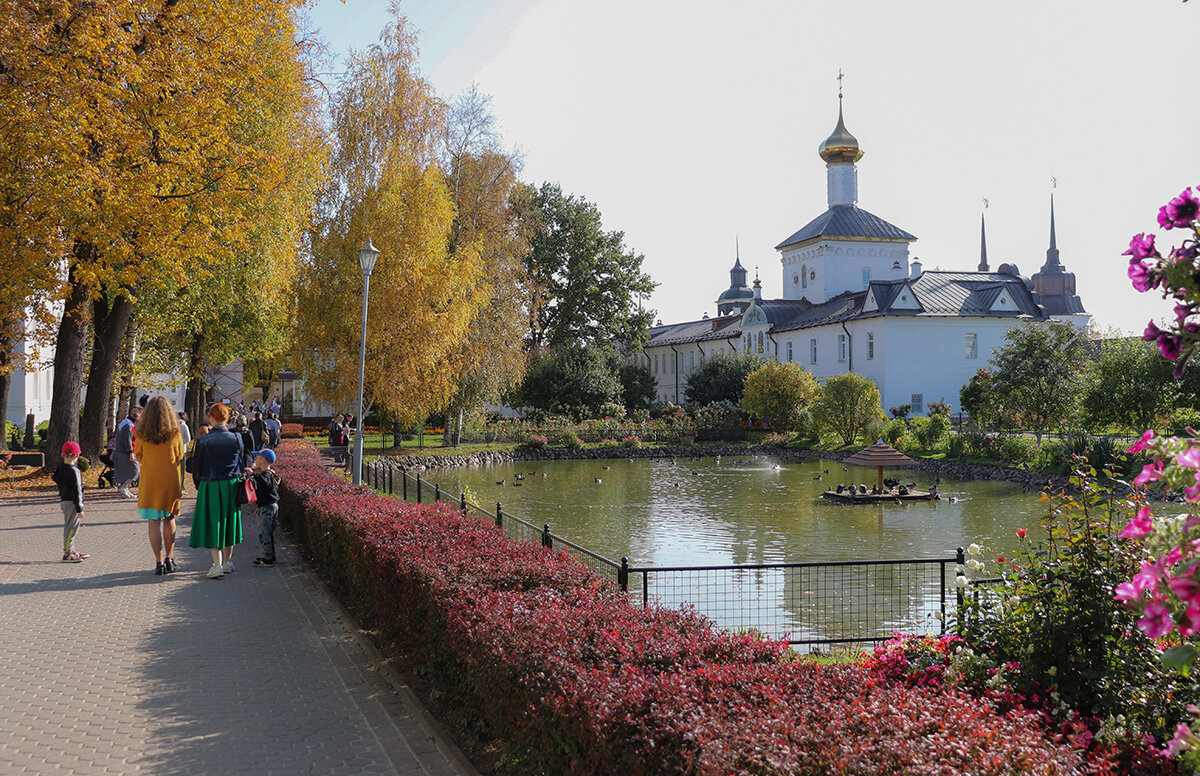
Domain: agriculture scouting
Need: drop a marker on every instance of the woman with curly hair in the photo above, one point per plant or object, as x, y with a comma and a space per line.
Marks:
215, 466
159, 452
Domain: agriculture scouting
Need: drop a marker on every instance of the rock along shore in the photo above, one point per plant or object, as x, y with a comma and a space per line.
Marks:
1034, 480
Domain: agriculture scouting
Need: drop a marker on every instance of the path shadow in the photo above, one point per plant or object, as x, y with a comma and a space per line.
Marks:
88, 583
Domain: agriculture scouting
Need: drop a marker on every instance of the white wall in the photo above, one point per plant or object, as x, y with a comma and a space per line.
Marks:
838, 266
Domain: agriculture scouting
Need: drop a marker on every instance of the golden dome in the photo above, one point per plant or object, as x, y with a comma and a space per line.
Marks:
841, 146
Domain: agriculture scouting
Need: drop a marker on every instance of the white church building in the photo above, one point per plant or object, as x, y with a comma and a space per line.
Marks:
853, 301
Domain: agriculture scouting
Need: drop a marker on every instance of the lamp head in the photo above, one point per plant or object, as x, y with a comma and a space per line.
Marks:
367, 256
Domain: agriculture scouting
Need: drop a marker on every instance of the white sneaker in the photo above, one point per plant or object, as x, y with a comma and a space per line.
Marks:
216, 572
125, 492
228, 567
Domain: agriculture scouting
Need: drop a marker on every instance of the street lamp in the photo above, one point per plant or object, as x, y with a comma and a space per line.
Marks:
366, 259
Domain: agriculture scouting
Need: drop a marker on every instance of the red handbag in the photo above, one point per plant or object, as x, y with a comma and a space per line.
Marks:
251, 493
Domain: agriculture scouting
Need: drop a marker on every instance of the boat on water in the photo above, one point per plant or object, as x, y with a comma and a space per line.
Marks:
894, 494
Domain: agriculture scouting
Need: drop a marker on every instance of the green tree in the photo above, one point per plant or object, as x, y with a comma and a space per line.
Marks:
977, 398
1040, 373
573, 380
722, 377
638, 386
585, 284
847, 405
1132, 386
779, 393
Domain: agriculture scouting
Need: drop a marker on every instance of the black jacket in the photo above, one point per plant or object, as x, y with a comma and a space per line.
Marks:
266, 487
70, 484
258, 435
220, 456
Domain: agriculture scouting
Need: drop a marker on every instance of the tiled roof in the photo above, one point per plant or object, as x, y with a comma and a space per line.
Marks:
728, 327
847, 221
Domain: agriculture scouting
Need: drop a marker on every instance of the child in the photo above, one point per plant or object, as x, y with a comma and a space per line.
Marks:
70, 495
266, 490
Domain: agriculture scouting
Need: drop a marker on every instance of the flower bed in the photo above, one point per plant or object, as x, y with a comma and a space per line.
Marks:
569, 677
291, 430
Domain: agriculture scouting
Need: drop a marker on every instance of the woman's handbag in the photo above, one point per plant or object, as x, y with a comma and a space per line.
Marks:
245, 492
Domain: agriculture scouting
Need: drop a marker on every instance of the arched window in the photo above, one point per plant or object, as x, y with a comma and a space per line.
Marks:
866, 277
760, 342
804, 276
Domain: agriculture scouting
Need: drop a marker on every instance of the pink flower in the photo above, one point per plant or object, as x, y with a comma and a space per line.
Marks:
1127, 592
1156, 621
1180, 211
1186, 586
1150, 473
1189, 457
1180, 741
1142, 443
1139, 526
1020, 533
1141, 247
1143, 275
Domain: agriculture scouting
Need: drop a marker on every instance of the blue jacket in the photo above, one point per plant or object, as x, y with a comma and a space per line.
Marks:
219, 456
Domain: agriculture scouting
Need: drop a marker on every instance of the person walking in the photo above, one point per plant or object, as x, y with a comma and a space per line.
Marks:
337, 436
160, 452
258, 432
215, 465
124, 463
70, 499
242, 430
273, 430
185, 436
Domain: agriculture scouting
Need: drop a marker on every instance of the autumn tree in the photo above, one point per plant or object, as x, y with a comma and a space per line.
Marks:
385, 184
847, 405
780, 394
585, 285
155, 128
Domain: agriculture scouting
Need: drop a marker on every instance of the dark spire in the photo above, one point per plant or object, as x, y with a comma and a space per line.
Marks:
1052, 264
983, 262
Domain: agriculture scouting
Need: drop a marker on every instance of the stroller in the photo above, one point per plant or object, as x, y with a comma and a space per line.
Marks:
108, 473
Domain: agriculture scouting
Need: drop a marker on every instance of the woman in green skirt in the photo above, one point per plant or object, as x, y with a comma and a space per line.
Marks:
215, 466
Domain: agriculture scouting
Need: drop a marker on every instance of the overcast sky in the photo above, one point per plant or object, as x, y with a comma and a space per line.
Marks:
690, 124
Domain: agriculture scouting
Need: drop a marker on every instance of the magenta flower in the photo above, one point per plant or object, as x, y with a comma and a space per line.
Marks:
1156, 621
1141, 247
1151, 332
1187, 251
1186, 586
1139, 526
1189, 457
1180, 741
1142, 275
1150, 473
1180, 211
1182, 311
1142, 443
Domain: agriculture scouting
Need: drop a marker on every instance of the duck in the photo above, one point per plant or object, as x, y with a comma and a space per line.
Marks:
501, 482
817, 477
605, 467
599, 480
953, 499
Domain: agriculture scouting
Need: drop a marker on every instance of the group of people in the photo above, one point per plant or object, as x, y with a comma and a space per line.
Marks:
153, 449
341, 430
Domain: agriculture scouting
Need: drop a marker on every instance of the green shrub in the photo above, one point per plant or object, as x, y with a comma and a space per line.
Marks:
1051, 456
893, 430
570, 440
1015, 450
957, 447
932, 431
1182, 418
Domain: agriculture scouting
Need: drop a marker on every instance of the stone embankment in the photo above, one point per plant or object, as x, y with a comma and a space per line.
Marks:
1034, 480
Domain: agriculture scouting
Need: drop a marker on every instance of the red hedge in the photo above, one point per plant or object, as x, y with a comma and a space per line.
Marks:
572, 678
291, 430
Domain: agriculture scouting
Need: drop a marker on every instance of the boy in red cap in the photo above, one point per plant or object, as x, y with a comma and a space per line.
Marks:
70, 496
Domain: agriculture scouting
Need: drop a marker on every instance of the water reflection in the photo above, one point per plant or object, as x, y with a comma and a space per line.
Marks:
698, 512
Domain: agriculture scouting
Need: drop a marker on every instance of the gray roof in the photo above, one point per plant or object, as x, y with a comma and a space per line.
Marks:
728, 327
842, 307
847, 222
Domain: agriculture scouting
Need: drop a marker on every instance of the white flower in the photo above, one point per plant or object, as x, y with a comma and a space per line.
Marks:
939, 616
960, 580
974, 549
1052, 670
974, 565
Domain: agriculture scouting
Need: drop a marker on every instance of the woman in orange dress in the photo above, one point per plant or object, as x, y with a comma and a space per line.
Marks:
160, 452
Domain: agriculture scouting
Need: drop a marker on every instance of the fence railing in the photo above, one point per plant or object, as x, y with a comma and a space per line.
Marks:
844, 602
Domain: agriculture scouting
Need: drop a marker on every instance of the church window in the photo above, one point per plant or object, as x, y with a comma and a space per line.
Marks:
870, 345
655, 363
691, 361
804, 276
866, 277
789, 351
971, 345
841, 347
812, 351
760, 342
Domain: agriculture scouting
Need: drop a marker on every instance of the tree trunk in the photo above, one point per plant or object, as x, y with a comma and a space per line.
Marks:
193, 396
110, 322
6, 349
68, 361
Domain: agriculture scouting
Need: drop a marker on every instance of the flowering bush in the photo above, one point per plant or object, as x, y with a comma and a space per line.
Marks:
291, 430
536, 441
778, 439
570, 440
631, 441
570, 677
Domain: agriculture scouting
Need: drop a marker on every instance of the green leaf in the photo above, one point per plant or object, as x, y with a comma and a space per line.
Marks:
1180, 657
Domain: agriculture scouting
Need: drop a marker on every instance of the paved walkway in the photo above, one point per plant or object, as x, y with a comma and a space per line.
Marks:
108, 669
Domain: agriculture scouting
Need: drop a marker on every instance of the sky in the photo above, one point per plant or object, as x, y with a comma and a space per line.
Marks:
695, 126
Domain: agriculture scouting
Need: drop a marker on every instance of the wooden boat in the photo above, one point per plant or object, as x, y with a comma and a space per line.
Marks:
846, 497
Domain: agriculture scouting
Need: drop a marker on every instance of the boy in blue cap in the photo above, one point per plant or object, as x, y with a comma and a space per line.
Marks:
266, 490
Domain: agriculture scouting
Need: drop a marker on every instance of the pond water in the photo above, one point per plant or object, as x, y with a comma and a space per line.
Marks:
716, 512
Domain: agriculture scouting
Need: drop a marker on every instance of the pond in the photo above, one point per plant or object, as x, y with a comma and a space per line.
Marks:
705, 512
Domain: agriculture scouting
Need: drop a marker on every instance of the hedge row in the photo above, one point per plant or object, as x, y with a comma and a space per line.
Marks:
569, 677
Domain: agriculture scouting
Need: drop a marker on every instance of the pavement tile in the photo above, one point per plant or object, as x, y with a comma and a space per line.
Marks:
106, 668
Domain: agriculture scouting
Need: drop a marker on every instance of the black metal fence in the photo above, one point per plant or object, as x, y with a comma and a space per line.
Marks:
847, 602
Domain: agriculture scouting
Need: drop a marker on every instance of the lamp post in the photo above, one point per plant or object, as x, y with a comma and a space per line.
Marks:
366, 260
